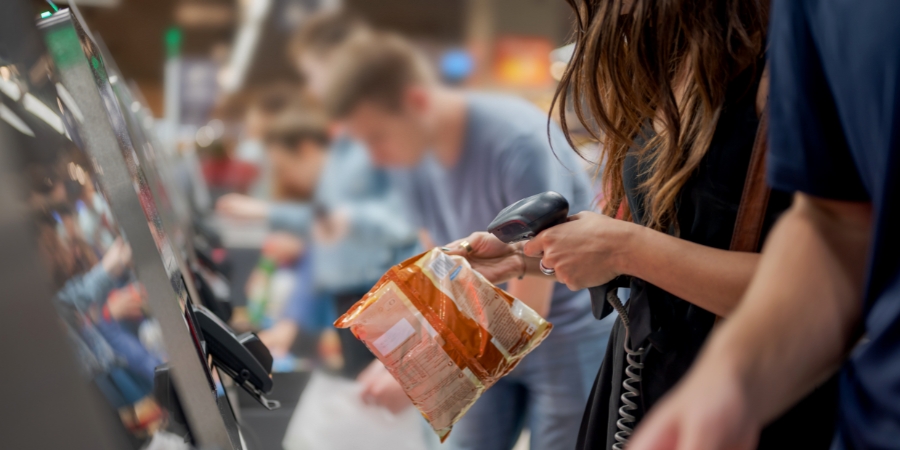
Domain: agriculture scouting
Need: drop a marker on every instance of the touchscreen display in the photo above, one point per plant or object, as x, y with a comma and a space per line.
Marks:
97, 295
119, 338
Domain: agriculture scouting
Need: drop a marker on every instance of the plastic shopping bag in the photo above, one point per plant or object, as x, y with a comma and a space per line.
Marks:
444, 332
331, 406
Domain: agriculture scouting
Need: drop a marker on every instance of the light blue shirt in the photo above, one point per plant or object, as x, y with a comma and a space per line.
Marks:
378, 237
506, 157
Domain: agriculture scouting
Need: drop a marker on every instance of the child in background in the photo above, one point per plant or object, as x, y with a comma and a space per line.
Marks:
267, 105
296, 145
363, 234
346, 221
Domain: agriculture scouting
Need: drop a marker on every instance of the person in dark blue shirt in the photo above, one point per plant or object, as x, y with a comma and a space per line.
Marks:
827, 293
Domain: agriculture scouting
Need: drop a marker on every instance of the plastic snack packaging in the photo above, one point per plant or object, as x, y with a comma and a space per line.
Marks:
444, 332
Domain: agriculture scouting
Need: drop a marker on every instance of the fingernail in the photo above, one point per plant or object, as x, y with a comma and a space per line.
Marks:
445, 249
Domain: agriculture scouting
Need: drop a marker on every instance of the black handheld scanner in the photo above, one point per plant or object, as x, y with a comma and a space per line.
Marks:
526, 218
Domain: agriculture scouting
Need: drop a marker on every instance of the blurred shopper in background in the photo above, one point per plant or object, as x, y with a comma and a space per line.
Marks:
460, 158
353, 221
296, 144
266, 105
313, 47
223, 171
349, 225
97, 296
674, 93
269, 103
827, 286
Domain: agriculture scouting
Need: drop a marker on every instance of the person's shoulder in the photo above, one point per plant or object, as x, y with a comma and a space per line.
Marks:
349, 166
506, 110
506, 115
500, 99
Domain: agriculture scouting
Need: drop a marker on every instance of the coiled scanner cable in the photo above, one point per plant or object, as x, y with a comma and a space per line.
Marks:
630, 386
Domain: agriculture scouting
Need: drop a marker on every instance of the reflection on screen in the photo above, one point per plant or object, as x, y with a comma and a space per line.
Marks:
98, 297
100, 302
72, 52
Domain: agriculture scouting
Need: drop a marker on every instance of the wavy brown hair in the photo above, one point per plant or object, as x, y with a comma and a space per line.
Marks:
663, 62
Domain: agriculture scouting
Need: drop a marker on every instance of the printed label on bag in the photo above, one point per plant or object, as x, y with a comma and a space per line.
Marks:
394, 337
441, 266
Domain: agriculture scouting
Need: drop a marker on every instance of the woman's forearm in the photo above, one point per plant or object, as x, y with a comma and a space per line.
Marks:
710, 278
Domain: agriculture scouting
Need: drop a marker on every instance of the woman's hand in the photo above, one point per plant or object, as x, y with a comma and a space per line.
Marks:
496, 261
588, 250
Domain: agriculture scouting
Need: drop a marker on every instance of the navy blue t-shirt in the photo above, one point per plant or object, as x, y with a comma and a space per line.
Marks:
835, 133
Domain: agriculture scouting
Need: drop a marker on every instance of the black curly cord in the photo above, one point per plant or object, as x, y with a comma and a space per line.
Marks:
632, 371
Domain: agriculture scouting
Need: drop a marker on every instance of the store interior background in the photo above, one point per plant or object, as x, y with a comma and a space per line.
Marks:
510, 41
197, 64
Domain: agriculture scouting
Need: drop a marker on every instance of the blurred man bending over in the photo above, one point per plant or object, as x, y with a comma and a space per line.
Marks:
461, 158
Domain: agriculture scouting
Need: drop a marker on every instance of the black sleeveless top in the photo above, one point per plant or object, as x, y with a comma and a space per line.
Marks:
671, 329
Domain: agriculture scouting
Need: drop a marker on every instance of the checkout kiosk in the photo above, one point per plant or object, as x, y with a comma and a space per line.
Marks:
112, 325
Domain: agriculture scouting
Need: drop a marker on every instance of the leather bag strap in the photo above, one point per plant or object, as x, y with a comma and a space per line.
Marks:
755, 197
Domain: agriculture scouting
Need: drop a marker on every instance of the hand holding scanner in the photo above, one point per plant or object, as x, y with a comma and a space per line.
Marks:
526, 218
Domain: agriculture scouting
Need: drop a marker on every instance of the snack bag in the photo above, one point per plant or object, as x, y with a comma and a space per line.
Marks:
444, 332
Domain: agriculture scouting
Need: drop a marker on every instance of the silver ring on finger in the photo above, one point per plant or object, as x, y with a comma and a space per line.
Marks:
549, 271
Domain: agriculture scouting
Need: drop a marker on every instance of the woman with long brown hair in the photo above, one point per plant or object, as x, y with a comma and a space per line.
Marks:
673, 90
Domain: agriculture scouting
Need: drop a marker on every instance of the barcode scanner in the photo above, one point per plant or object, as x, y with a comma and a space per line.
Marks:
526, 218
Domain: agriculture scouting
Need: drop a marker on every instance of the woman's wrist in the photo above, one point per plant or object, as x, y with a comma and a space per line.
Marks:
519, 254
632, 249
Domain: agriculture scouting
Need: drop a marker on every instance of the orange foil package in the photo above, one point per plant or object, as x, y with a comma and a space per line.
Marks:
444, 332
